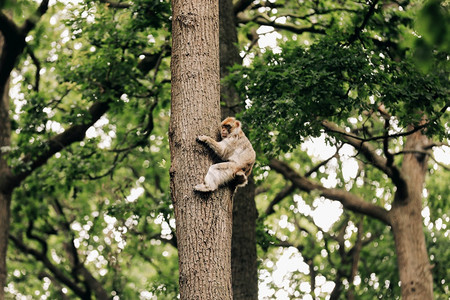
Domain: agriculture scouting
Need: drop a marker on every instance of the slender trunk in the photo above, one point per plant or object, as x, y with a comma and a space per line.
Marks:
5, 200
5, 193
243, 250
407, 225
203, 221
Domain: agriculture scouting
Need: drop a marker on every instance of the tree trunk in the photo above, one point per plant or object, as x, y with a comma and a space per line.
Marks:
203, 221
407, 225
5, 193
243, 246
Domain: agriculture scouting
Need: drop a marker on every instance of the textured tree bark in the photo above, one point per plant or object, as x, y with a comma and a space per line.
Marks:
407, 225
5, 193
244, 266
243, 246
203, 221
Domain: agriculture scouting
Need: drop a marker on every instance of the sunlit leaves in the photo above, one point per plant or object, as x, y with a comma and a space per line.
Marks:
292, 92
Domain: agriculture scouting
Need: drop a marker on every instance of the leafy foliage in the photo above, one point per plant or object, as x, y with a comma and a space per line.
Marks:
292, 92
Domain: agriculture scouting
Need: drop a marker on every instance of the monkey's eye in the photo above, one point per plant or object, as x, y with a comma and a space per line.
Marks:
227, 127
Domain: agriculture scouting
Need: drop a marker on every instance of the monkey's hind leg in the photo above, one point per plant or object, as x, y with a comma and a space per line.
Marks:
217, 175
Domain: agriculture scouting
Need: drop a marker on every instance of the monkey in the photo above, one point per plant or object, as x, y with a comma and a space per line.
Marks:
236, 152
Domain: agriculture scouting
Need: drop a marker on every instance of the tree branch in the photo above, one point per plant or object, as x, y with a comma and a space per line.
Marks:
286, 191
369, 153
57, 143
42, 257
265, 20
114, 4
15, 41
401, 134
348, 200
359, 28
241, 5
31, 22
37, 63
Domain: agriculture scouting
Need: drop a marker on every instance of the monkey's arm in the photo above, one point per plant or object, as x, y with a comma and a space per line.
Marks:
218, 148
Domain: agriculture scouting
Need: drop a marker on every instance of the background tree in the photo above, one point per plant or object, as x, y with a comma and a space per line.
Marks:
243, 247
349, 89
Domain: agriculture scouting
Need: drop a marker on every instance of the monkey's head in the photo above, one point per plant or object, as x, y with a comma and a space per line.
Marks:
230, 126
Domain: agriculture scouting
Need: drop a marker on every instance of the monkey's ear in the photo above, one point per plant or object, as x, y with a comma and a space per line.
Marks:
238, 124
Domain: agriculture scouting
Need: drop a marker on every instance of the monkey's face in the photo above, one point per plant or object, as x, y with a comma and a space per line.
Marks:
225, 130
229, 126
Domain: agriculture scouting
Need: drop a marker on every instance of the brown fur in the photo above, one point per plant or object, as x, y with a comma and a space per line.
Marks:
237, 153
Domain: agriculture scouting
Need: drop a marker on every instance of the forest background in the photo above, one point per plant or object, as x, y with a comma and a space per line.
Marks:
348, 102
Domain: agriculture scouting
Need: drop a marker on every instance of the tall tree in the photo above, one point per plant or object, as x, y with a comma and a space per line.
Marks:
12, 44
243, 250
334, 83
203, 221
5, 194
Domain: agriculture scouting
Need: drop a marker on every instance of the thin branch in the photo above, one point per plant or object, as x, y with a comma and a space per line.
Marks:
424, 152
348, 200
262, 19
286, 191
37, 63
15, 41
323, 163
289, 189
241, 5
42, 257
59, 142
396, 135
114, 4
319, 12
366, 19
31, 22
368, 151
365, 148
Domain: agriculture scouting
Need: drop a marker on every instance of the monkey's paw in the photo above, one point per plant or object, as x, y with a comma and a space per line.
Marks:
202, 138
202, 188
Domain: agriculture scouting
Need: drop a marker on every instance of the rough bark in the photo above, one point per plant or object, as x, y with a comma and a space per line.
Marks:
5, 195
407, 225
203, 220
12, 43
243, 246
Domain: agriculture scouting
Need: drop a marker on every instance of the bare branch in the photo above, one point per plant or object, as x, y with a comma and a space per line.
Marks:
263, 19
368, 151
396, 135
349, 200
37, 63
114, 4
286, 191
365, 148
31, 22
241, 5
